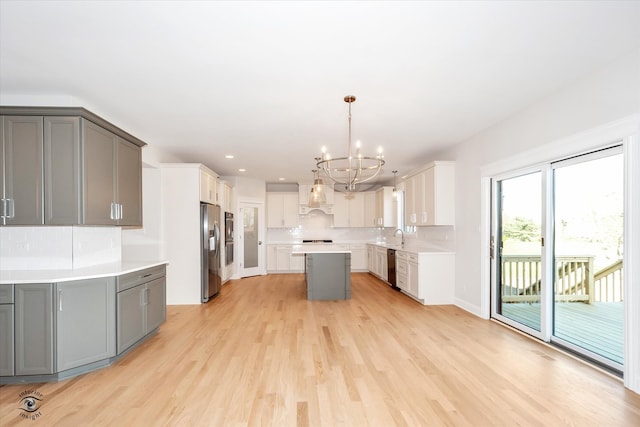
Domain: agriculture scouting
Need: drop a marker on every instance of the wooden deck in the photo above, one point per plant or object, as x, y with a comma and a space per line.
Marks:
597, 327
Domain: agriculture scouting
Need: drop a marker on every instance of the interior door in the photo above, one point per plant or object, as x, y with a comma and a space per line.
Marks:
251, 248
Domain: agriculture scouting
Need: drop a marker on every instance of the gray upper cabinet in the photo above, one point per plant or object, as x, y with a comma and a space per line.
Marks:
129, 183
85, 322
99, 174
62, 171
112, 178
21, 171
67, 166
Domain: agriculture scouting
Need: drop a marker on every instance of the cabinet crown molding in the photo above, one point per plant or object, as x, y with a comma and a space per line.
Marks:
71, 111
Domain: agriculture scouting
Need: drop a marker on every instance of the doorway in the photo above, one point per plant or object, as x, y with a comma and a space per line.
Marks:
251, 231
557, 249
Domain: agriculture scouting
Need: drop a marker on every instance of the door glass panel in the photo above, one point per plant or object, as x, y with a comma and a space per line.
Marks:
250, 237
588, 306
518, 262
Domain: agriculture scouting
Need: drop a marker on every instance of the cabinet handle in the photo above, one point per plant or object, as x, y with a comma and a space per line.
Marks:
59, 300
3, 214
147, 275
120, 211
12, 208
113, 214
143, 297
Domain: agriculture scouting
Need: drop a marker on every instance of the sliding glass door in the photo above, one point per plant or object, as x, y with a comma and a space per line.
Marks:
568, 291
588, 312
517, 250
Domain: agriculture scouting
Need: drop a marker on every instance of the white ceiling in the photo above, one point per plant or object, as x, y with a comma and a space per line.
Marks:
265, 81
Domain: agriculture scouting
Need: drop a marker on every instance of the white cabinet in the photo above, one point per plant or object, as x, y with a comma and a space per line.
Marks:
341, 211
430, 195
439, 191
225, 195
427, 277
282, 210
378, 265
209, 187
349, 210
385, 214
371, 258
280, 259
358, 257
407, 272
370, 217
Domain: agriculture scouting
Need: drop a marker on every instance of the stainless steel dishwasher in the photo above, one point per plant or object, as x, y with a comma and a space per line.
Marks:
391, 268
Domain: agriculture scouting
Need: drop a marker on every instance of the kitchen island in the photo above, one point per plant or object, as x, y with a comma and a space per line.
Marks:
327, 272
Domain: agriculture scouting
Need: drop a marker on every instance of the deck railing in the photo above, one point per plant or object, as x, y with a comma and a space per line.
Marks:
575, 279
608, 283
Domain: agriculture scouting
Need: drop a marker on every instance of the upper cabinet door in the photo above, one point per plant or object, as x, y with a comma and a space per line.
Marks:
129, 184
21, 164
98, 175
62, 196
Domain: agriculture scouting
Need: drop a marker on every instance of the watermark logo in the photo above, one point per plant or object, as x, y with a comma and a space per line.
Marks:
30, 403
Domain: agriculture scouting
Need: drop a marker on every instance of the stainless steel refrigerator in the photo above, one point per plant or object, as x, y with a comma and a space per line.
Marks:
210, 250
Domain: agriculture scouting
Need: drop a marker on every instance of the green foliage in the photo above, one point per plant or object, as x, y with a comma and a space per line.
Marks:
521, 229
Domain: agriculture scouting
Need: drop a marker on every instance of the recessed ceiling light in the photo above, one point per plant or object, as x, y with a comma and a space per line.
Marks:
242, 170
228, 156
281, 179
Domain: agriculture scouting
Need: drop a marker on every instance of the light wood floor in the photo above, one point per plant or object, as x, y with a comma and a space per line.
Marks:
261, 354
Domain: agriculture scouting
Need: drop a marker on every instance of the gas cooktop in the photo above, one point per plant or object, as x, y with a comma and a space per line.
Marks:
317, 241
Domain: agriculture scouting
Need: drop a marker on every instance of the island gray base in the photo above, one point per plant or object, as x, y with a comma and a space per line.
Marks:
328, 276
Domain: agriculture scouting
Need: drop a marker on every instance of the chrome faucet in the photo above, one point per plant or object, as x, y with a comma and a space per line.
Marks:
401, 234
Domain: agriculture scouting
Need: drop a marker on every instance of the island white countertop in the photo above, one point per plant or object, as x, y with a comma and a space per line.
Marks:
56, 276
318, 249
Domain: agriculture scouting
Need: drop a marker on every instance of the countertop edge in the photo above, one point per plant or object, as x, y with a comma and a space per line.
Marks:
8, 277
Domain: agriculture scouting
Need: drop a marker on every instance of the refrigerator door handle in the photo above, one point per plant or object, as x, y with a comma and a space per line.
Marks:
213, 240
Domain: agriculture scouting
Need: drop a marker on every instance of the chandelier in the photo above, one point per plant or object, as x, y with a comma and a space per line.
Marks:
354, 168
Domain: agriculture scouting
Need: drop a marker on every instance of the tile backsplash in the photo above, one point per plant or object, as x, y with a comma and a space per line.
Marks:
58, 248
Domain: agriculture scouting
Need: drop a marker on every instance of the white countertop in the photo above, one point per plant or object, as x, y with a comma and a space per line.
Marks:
413, 248
321, 248
55, 276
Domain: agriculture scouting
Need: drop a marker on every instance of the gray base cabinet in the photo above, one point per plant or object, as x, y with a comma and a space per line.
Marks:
34, 338
85, 322
141, 305
7, 363
328, 276
54, 331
